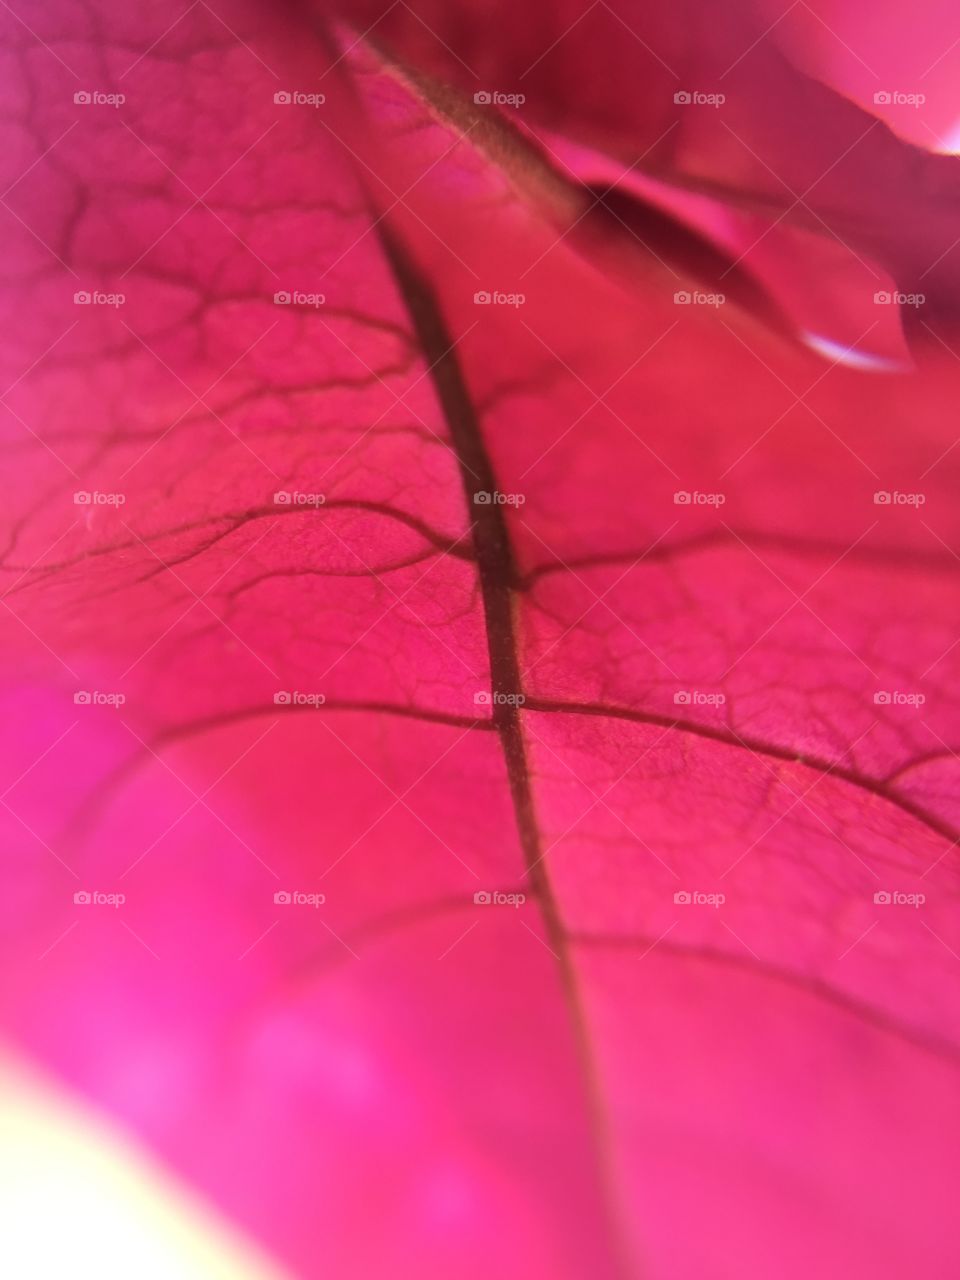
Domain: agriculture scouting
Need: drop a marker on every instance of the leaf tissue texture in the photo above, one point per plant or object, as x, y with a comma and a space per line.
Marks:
480, 626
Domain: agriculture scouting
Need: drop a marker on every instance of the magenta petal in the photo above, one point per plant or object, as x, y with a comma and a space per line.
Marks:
482, 722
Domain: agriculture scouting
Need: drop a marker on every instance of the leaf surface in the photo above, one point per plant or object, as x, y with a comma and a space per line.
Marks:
679, 654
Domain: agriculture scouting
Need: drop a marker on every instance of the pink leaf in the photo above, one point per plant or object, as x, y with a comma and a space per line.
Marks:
480, 789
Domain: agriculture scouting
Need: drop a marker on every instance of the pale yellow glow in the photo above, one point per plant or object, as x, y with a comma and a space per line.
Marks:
79, 1200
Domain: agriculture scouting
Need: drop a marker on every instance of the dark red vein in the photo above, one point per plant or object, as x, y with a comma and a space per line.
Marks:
498, 582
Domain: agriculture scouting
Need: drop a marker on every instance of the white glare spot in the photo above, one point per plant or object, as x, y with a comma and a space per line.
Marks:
80, 1200
837, 353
